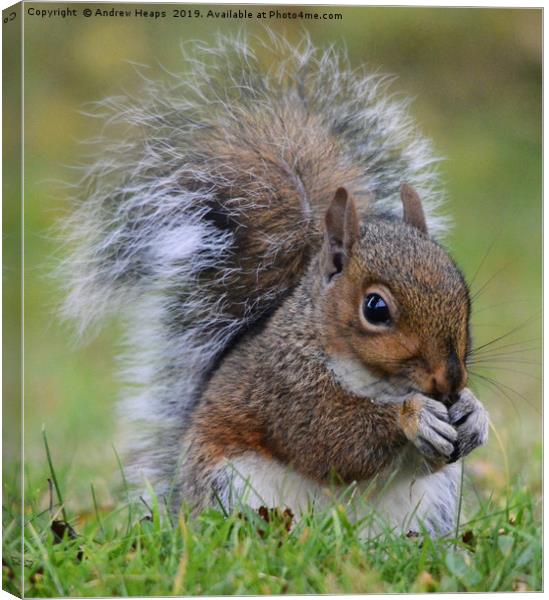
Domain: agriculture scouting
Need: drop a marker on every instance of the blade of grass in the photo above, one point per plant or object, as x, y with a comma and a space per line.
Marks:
53, 475
126, 489
505, 465
46, 560
96, 508
460, 500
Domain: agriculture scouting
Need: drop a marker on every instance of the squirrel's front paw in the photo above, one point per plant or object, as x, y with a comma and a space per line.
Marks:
426, 423
470, 419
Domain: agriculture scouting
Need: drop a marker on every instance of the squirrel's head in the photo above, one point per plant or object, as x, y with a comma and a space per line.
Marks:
394, 304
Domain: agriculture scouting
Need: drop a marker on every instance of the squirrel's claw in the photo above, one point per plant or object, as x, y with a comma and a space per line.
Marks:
470, 419
425, 422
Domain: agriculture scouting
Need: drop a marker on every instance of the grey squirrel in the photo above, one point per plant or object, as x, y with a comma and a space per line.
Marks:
265, 223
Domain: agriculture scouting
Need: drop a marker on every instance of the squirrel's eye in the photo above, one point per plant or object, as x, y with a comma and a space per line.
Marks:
376, 310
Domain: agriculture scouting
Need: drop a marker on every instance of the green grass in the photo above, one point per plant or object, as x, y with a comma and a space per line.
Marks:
498, 548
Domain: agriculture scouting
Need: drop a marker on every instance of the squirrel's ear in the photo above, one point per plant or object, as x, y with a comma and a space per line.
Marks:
341, 230
413, 210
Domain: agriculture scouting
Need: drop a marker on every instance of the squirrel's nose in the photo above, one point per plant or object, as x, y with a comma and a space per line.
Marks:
439, 382
449, 378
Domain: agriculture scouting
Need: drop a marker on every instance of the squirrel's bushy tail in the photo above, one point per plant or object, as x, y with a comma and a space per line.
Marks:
205, 204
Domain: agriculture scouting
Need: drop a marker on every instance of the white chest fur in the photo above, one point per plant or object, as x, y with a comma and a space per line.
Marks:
353, 376
401, 499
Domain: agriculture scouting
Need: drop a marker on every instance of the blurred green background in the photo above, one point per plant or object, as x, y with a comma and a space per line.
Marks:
476, 78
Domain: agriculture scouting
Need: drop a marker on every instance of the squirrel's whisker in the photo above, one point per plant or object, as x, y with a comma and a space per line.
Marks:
511, 352
484, 257
502, 387
508, 370
516, 357
505, 335
477, 310
475, 296
494, 385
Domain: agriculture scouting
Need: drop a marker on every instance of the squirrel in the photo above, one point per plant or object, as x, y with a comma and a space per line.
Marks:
267, 225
